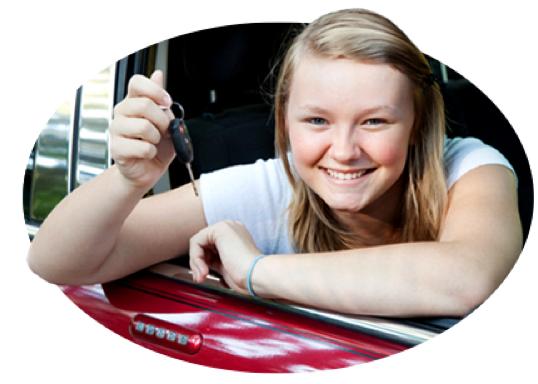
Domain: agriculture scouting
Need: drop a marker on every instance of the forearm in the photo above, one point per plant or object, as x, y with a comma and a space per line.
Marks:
80, 233
410, 279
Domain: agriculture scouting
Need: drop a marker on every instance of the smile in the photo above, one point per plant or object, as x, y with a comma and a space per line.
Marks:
346, 175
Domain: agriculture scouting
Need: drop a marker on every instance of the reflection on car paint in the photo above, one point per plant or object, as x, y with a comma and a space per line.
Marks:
255, 348
185, 319
235, 325
298, 368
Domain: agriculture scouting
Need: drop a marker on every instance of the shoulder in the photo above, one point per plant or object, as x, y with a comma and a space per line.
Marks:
464, 154
262, 176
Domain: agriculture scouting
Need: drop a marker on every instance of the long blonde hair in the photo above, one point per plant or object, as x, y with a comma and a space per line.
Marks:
365, 36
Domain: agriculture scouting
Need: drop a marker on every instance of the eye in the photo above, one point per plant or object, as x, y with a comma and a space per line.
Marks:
374, 121
317, 121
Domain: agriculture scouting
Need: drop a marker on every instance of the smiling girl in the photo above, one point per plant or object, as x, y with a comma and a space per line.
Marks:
368, 209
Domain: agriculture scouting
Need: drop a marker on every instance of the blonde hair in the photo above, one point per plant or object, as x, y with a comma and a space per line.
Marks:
365, 36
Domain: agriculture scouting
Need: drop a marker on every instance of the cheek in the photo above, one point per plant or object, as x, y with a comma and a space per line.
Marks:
306, 147
389, 153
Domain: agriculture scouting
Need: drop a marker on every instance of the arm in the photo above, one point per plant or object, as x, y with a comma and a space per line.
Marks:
103, 230
479, 243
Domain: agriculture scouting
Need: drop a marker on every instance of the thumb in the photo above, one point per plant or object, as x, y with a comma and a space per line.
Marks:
158, 77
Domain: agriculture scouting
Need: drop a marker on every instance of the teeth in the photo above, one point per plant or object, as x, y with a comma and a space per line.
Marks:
345, 176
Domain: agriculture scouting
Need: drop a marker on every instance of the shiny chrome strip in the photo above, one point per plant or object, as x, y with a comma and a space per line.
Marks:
444, 72
49, 176
161, 62
72, 143
32, 229
383, 328
90, 142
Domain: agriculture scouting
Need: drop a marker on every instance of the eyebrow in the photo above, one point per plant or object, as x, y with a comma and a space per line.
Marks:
317, 109
312, 108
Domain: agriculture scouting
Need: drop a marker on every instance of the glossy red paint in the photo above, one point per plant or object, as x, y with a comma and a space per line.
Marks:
238, 334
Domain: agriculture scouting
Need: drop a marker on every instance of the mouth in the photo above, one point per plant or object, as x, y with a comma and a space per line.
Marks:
347, 175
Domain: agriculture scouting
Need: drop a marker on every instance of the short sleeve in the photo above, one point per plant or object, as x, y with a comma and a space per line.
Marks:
256, 195
464, 154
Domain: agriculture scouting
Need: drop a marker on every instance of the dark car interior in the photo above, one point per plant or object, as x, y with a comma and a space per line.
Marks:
226, 91
224, 78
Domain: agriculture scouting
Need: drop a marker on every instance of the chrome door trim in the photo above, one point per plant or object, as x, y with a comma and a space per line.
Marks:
90, 144
161, 62
51, 163
388, 329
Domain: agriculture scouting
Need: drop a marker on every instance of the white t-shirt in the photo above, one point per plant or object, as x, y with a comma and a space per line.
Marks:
258, 194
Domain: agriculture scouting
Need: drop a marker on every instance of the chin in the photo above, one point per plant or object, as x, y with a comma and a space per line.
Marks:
347, 209
344, 206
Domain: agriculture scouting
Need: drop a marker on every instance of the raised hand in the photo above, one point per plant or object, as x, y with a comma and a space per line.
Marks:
139, 140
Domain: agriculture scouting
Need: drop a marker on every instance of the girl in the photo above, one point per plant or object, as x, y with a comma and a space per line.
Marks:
369, 209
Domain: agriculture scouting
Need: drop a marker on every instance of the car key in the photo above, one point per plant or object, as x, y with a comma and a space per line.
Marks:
181, 140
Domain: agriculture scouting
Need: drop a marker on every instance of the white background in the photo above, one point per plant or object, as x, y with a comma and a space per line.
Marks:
45, 338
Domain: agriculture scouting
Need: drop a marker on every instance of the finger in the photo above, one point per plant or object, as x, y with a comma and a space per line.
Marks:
196, 262
136, 128
199, 268
143, 107
196, 257
151, 88
123, 149
198, 247
194, 271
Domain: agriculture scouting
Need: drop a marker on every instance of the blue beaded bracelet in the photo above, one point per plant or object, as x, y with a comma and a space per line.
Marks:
249, 274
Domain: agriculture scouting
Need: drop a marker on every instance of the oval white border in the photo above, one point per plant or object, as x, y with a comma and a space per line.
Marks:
47, 339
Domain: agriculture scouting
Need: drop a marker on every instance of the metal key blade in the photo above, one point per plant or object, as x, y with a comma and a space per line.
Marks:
189, 169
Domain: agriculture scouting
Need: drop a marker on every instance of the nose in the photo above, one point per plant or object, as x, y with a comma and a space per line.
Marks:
345, 146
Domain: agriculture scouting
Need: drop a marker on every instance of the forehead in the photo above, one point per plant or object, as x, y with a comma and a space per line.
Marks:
340, 81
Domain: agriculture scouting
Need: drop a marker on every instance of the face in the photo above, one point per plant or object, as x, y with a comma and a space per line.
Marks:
349, 125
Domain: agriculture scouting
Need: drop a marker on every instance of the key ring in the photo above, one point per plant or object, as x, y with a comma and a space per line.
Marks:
180, 107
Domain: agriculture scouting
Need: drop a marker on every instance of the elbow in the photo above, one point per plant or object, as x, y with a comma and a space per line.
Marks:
467, 297
39, 265
461, 306
476, 274
33, 259
52, 270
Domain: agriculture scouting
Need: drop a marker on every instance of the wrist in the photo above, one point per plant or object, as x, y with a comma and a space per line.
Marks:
127, 186
255, 277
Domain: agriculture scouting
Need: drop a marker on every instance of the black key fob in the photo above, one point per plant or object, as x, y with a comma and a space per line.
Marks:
181, 139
